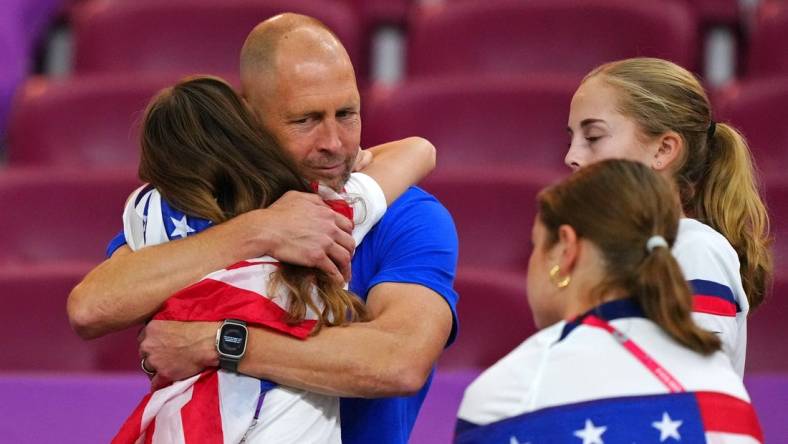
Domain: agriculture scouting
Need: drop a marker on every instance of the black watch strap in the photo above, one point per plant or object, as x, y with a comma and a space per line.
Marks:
229, 364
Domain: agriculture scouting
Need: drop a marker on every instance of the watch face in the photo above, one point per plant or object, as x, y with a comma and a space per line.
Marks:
232, 340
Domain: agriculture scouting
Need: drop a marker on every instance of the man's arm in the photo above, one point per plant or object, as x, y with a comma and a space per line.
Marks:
129, 288
392, 355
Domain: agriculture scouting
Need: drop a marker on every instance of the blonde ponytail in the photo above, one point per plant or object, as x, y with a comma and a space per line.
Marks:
727, 199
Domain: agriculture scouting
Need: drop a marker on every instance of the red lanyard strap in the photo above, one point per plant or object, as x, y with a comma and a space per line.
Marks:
653, 366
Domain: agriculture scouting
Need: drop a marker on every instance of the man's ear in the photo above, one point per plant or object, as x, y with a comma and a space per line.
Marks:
670, 148
568, 248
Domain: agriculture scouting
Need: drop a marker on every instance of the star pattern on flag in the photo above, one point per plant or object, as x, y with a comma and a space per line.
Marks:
667, 428
513, 440
591, 434
182, 228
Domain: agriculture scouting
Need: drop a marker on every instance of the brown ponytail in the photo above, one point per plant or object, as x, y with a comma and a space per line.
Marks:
662, 292
715, 177
208, 157
618, 205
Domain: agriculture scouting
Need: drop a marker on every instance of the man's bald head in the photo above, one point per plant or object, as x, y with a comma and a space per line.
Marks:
299, 81
286, 39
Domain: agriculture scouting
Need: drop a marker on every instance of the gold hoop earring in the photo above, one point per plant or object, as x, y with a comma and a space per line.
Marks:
558, 281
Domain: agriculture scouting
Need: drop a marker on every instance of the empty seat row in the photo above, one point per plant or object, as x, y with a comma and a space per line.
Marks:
54, 216
444, 38
92, 121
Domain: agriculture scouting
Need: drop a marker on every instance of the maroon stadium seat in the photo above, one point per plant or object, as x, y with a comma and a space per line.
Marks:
565, 36
766, 330
767, 53
493, 209
717, 12
51, 216
494, 317
41, 339
187, 36
776, 194
515, 121
80, 122
389, 12
757, 109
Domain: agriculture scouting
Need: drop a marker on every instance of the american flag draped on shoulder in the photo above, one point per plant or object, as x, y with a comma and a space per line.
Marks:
608, 376
218, 406
687, 417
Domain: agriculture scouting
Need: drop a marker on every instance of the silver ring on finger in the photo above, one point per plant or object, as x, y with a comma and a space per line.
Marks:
145, 369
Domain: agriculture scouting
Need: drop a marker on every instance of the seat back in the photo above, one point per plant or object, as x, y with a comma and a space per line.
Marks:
554, 36
475, 121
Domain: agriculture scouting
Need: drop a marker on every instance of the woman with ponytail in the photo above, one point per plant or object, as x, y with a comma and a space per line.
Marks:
656, 112
619, 358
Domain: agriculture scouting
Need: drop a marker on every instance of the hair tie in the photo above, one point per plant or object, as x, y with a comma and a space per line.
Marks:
655, 241
712, 129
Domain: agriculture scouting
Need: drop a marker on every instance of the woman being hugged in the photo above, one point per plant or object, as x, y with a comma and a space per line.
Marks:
619, 358
655, 112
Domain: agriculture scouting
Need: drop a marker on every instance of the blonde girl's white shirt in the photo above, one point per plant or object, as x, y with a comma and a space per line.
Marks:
711, 266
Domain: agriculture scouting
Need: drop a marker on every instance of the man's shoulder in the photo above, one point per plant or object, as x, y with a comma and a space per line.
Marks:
417, 199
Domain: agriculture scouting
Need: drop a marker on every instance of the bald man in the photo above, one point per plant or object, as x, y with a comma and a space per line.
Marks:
298, 79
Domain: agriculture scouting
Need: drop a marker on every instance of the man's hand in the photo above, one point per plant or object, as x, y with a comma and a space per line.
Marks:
305, 231
176, 350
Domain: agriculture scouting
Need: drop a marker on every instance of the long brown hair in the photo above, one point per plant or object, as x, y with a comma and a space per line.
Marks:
208, 157
716, 177
618, 205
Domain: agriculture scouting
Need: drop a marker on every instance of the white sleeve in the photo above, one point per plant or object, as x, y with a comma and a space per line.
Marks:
133, 221
709, 257
368, 201
143, 223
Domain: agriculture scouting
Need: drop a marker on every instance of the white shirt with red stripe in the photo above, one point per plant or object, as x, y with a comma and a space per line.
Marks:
219, 406
578, 371
711, 266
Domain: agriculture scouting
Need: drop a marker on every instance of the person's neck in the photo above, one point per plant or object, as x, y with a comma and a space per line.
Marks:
585, 298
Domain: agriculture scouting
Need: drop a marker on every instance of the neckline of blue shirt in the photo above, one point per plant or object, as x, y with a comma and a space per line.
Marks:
617, 309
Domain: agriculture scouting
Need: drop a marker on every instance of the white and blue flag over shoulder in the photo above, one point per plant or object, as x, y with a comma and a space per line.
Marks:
155, 221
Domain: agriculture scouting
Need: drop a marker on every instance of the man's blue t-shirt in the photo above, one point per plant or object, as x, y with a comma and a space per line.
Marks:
415, 242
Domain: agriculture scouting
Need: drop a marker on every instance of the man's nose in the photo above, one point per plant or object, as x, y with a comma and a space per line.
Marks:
329, 139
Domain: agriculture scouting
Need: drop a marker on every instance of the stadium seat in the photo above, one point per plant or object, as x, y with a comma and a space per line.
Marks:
553, 36
41, 339
54, 216
493, 209
757, 109
717, 12
767, 54
84, 121
187, 36
494, 317
766, 330
775, 191
502, 121
381, 12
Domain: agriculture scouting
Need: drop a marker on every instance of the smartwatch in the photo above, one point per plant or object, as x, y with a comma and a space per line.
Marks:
231, 343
